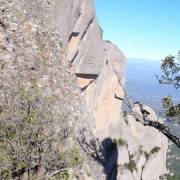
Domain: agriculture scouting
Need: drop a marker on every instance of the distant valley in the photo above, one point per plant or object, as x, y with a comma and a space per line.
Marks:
142, 85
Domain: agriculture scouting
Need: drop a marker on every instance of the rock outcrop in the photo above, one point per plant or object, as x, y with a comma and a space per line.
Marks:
142, 141
32, 56
95, 61
78, 66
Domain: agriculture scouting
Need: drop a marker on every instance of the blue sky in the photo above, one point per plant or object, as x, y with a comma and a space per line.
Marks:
141, 28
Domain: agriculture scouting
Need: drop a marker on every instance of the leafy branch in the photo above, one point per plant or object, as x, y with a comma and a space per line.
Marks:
142, 116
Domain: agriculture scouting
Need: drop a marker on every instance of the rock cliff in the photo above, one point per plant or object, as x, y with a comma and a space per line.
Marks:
95, 61
80, 71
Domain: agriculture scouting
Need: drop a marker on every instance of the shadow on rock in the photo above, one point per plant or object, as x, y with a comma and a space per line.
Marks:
105, 153
110, 154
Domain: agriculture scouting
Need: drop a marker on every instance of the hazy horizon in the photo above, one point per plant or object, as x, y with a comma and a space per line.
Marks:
141, 59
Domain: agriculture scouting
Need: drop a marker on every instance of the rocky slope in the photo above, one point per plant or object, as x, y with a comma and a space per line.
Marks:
79, 67
94, 62
32, 57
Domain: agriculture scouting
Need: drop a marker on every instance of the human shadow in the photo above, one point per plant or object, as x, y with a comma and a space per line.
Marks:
110, 154
105, 153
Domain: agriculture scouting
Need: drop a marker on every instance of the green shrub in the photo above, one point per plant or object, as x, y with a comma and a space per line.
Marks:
63, 175
121, 142
152, 152
28, 138
131, 165
155, 150
147, 155
75, 157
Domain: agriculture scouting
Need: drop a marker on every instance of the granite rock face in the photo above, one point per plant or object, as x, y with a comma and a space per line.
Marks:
82, 34
93, 60
141, 142
96, 64
32, 55
59, 43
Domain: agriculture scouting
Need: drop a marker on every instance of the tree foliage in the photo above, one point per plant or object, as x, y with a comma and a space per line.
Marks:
170, 68
171, 76
142, 116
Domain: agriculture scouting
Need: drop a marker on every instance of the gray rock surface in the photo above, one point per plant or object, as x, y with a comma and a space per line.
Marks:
142, 140
95, 62
32, 54
77, 23
59, 42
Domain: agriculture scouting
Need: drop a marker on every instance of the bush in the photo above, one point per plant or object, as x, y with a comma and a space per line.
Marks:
170, 177
131, 165
76, 158
147, 155
155, 150
65, 174
152, 152
121, 142
175, 177
29, 140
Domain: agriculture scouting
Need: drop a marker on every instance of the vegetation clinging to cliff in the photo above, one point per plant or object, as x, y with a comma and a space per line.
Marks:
30, 142
171, 76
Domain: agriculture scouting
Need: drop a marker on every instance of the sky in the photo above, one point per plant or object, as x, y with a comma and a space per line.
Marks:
141, 28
